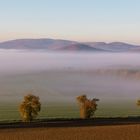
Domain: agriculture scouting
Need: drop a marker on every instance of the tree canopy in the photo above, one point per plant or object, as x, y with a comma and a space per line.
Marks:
30, 107
87, 106
138, 102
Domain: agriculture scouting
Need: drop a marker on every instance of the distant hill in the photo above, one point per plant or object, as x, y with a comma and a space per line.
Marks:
49, 44
80, 47
114, 46
66, 45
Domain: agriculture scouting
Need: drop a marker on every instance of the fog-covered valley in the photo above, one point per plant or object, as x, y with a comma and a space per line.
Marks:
63, 76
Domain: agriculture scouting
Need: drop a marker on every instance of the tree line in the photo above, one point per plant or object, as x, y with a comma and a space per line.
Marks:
31, 106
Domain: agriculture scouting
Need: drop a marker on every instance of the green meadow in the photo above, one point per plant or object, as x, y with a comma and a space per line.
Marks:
58, 92
66, 110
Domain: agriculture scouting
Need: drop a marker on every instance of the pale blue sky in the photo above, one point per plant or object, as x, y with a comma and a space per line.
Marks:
82, 20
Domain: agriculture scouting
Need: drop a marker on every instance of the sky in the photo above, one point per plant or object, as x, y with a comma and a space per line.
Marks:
79, 20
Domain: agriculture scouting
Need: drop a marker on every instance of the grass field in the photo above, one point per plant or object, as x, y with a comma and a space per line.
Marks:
64, 87
67, 110
123, 132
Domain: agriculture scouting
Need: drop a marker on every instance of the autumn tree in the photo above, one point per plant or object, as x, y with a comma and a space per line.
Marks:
30, 107
87, 106
138, 102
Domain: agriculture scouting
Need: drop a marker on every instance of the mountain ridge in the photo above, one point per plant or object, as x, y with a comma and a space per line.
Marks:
68, 45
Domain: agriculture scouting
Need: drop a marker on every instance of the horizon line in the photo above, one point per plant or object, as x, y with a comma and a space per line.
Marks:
35, 38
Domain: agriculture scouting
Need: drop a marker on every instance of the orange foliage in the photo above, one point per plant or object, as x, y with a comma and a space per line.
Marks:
138, 102
30, 107
87, 106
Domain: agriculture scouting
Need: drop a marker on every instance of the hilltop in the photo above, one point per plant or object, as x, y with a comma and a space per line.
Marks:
67, 45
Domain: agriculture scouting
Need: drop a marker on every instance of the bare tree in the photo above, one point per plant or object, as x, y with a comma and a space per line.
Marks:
30, 107
87, 106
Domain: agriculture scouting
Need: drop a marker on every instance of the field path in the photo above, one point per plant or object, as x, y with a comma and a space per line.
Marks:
117, 132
